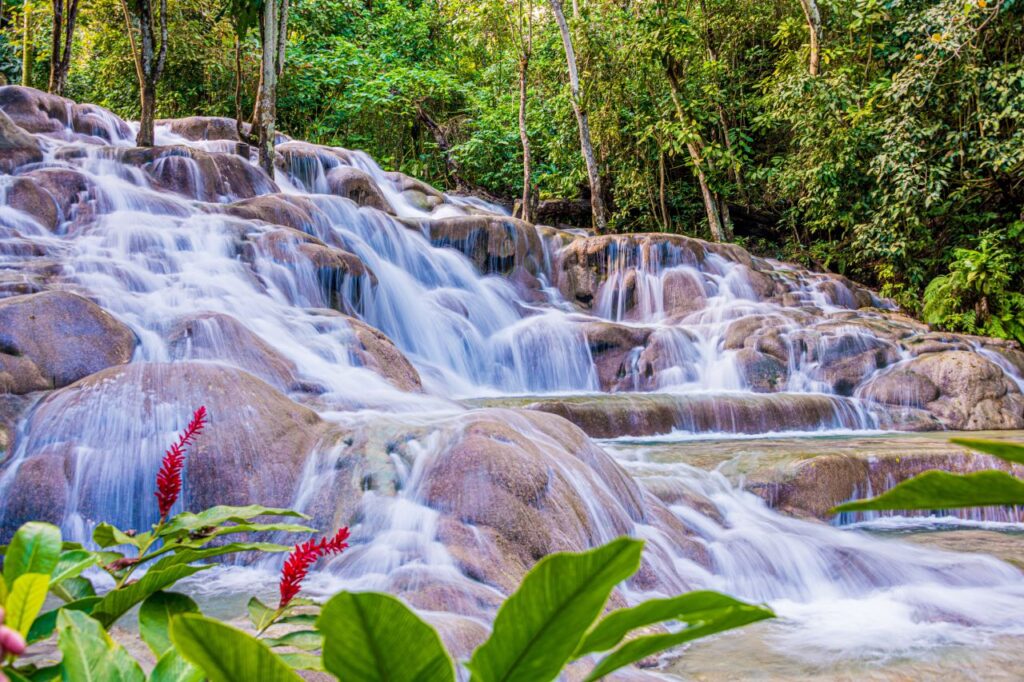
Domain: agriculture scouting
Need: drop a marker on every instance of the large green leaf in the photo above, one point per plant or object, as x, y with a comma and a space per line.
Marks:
1011, 452
71, 565
106, 535
692, 608
73, 589
26, 600
941, 490
190, 555
303, 661
155, 618
307, 640
46, 623
172, 667
90, 655
370, 636
117, 602
539, 627
226, 654
214, 516
711, 622
35, 548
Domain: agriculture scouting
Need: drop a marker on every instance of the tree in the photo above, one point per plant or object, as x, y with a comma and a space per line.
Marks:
149, 60
813, 17
27, 46
521, 26
65, 13
597, 207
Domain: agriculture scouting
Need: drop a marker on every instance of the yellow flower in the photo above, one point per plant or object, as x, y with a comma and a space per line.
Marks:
982, 4
918, 56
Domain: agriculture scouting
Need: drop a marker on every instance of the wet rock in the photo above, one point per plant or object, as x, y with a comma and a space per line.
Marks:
670, 357
55, 196
296, 212
357, 185
900, 387
252, 451
417, 192
616, 349
377, 352
11, 409
761, 373
40, 491
214, 336
17, 147
198, 128
495, 244
40, 112
974, 392
53, 338
196, 174
684, 292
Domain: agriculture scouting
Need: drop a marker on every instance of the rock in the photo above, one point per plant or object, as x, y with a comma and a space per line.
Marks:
761, 373
495, 244
53, 338
30, 197
377, 352
40, 490
669, 358
17, 147
199, 128
252, 452
294, 211
613, 347
357, 185
900, 387
974, 392
55, 196
684, 292
40, 112
214, 336
195, 174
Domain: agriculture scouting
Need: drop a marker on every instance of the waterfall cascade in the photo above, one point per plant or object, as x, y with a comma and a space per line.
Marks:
366, 346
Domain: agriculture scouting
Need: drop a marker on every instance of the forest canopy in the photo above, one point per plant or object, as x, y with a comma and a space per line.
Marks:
883, 140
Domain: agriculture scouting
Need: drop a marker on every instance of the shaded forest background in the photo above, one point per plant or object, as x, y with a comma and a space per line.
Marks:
880, 139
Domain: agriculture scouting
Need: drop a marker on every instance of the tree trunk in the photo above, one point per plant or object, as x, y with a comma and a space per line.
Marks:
441, 140
147, 61
268, 87
524, 138
666, 220
63, 33
813, 17
596, 197
27, 48
718, 233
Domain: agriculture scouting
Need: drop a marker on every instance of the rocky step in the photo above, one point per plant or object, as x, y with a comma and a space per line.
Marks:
647, 414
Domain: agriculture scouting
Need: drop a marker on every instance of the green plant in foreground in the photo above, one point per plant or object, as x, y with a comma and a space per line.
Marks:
943, 490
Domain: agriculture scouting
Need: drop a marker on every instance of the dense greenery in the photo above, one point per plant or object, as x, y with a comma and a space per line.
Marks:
900, 163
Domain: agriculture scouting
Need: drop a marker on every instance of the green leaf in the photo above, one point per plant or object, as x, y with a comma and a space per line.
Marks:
90, 655
370, 636
304, 661
155, 618
711, 621
73, 589
691, 608
215, 516
300, 619
26, 600
941, 490
106, 535
117, 602
3, 591
190, 555
45, 624
1011, 452
35, 548
172, 667
260, 615
307, 640
226, 654
71, 565
539, 627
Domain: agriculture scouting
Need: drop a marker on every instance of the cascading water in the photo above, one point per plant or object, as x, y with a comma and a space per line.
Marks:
223, 274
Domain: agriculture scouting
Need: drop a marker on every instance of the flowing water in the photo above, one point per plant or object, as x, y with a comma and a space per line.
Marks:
249, 296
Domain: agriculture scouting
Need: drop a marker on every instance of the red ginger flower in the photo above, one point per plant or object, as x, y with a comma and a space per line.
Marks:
168, 479
296, 567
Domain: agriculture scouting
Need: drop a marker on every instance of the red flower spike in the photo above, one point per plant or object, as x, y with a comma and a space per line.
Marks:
305, 554
168, 479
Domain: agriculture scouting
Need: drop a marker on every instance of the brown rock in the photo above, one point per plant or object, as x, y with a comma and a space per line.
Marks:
65, 337
762, 373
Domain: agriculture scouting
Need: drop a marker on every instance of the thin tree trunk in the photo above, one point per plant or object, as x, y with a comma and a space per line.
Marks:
596, 198
524, 138
666, 220
27, 48
268, 87
441, 140
813, 17
56, 35
149, 65
718, 233
63, 33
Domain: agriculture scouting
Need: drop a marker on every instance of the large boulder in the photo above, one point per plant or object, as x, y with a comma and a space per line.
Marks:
495, 244
54, 116
205, 128
356, 184
615, 349
17, 147
374, 350
974, 392
107, 433
53, 338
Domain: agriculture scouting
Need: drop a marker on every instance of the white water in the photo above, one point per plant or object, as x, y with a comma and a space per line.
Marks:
157, 260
